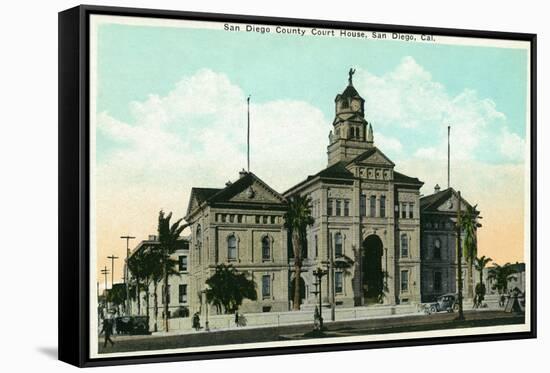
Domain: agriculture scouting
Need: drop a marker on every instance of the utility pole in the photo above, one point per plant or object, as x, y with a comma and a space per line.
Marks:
126, 277
112, 257
105, 272
459, 258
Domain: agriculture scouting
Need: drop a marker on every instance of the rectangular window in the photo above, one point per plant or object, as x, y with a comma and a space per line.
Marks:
329, 207
232, 248
266, 286
372, 206
411, 210
223, 218
404, 246
363, 205
272, 219
404, 210
257, 219
231, 218
182, 263
437, 281
239, 218
338, 250
266, 248
437, 249
338, 207
404, 280
346, 207
264, 219
382, 206
182, 295
338, 282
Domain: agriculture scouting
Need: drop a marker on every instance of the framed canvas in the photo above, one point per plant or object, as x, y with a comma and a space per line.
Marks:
232, 186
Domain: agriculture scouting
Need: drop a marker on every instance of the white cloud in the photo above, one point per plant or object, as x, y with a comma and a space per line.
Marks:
408, 100
512, 146
195, 135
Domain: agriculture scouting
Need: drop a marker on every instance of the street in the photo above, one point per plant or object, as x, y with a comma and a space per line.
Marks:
294, 332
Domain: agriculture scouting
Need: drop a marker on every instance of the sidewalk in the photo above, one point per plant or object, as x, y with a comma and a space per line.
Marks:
326, 319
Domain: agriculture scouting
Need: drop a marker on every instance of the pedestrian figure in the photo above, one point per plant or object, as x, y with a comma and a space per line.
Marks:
196, 321
236, 318
108, 330
501, 300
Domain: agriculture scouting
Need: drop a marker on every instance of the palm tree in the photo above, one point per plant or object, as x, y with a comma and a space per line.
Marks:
480, 264
501, 275
151, 265
168, 236
469, 226
297, 218
227, 288
137, 266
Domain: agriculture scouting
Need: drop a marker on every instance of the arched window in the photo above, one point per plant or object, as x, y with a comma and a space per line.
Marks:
232, 247
266, 248
338, 245
382, 206
198, 236
372, 206
404, 246
437, 249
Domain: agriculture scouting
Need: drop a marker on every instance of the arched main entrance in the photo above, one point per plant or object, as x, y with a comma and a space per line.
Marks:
372, 276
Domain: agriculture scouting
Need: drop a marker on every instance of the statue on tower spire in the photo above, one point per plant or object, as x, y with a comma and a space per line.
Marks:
350, 73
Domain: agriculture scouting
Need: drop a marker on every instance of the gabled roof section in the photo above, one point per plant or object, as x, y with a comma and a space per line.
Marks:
240, 185
350, 91
203, 194
336, 171
398, 177
433, 202
376, 156
214, 195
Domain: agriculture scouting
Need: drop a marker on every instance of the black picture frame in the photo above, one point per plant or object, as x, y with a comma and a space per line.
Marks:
74, 194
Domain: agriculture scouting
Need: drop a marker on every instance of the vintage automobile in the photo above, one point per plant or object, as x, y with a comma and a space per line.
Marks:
445, 302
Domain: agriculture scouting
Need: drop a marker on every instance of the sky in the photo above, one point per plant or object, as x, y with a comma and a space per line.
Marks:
171, 114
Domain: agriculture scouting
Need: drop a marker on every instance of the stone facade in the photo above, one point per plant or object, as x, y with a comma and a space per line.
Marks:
438, 242
242, 225
399, 247
365, 211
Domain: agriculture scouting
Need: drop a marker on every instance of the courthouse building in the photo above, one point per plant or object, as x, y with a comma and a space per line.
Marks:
401, 245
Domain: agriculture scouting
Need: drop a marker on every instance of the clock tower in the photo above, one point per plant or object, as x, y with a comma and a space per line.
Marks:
352, 134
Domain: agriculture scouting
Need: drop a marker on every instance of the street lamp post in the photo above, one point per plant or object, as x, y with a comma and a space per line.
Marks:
319, 273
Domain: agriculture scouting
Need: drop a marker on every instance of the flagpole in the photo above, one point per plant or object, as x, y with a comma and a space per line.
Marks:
248, 134
448, 157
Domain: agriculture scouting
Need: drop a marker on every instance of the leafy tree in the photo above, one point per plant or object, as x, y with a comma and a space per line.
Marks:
297, 218
480, 264
168, 235
228, 288
117, 295
501, 275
